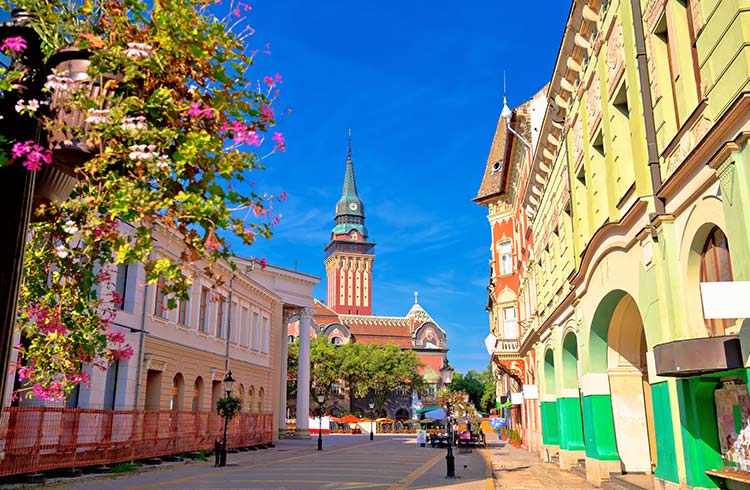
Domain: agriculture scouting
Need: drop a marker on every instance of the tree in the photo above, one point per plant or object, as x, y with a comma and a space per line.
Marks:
390, 367
365, 368
480, 386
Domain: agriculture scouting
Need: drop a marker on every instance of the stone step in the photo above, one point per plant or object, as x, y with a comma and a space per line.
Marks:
579, 470
633, 481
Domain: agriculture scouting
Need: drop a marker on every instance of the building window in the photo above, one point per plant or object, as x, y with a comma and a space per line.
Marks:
430, 390
336, 340
121, 286
716, 266
220, 323
266, 340
336, 389
505, 251
203, 312
255, 332
510, 323
159, 309
182, 311
245, 334
110, 385
250, 396
400, 391
290, 339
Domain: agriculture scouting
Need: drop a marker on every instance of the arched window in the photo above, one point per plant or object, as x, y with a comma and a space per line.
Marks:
290, 339
178, 387
250, 396
198, 394
261, 393
716, 266
336, 340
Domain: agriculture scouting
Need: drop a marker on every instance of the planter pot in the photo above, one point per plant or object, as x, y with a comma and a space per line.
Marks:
67, 140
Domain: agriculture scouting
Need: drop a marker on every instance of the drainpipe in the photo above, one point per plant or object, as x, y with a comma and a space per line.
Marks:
142, 341
648, 113
229, 321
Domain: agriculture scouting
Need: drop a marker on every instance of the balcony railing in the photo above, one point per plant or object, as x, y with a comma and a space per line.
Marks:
507, 345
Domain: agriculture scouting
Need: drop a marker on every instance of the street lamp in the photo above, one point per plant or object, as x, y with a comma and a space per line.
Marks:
228, 383
371, 404
321, 399
446, 372
16, 183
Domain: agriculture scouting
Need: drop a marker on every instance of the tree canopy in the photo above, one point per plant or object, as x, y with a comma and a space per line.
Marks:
366, 368
480, 386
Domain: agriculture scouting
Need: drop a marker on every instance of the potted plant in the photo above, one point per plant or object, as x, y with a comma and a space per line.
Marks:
171, 140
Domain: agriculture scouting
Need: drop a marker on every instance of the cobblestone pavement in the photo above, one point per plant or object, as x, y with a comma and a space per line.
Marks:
519, 469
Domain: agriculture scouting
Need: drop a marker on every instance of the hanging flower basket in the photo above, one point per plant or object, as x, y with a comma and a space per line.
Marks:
67, 135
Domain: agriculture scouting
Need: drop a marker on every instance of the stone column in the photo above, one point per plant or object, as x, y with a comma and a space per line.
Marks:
286, 317
303, 374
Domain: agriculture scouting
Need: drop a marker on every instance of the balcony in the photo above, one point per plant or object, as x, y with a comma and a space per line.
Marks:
506, 346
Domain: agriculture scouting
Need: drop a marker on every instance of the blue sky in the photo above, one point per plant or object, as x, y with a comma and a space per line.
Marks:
420, 83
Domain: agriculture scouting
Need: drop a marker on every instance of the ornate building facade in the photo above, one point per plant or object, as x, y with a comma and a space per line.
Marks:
635, 196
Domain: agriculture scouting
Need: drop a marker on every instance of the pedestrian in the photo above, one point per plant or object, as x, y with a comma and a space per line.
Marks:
217, 451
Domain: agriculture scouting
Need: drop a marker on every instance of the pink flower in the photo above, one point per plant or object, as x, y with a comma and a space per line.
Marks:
125, 353
54, 392
279, 139
25, 372
269, 81
35, 154
262, 262
282, 196
104, 276
116, 337
266, 114
277, 77
16, 44
199, 111
116, 298
138, 50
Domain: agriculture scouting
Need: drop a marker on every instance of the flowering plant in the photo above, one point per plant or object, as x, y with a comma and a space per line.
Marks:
174, 125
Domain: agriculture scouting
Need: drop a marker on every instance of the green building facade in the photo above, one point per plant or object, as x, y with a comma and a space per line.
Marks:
638, 193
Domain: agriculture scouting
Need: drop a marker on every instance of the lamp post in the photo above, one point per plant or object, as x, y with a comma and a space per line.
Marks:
446, 372
16, 183
321, 399
371, 404
228, 383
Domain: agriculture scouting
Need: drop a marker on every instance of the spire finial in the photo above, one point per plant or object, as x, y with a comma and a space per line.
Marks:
349, 153
416, 297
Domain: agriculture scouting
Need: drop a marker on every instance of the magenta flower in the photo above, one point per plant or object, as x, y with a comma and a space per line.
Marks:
35, 155
200, 111
16, 44
279, 139
116, 337
269, 81
266, 114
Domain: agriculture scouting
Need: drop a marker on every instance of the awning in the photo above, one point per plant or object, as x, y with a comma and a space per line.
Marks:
384, 421
437, 413
425, 410
350, 419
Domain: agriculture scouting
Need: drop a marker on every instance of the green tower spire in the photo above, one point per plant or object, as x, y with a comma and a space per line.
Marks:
350, 211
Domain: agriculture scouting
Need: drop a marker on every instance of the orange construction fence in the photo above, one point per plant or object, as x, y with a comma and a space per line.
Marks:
35, 439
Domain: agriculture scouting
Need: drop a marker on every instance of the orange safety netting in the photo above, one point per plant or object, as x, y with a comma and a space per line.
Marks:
38, 438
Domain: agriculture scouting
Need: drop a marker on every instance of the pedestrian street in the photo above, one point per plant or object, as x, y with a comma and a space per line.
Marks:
346, 462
